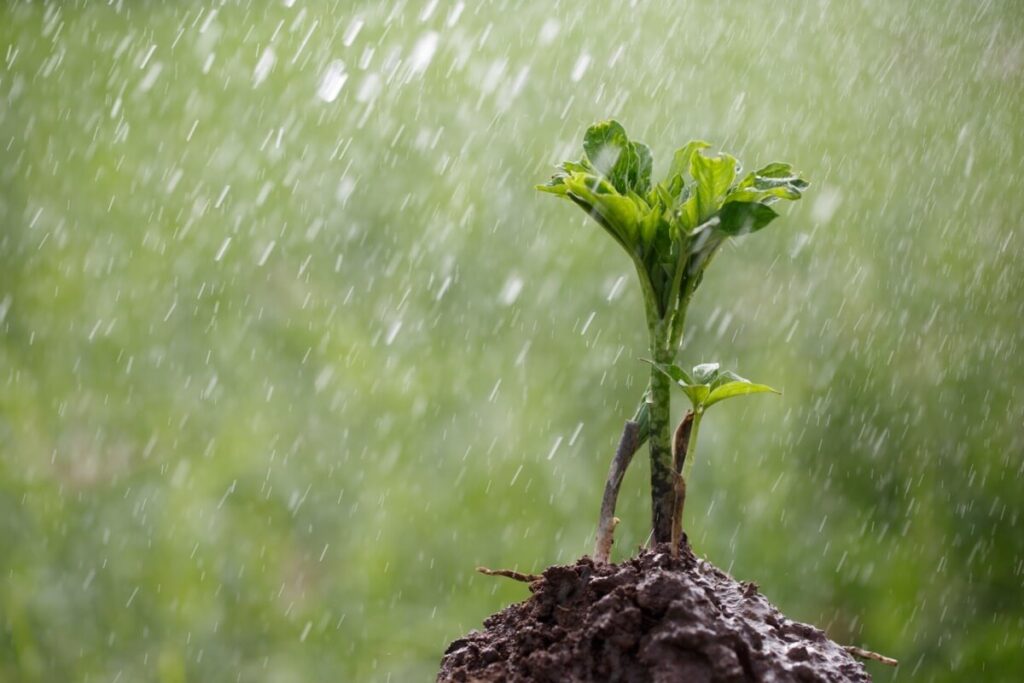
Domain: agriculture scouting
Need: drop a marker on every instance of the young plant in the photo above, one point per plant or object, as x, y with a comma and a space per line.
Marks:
671, 231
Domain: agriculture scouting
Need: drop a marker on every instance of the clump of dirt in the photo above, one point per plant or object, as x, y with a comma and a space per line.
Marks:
650, 618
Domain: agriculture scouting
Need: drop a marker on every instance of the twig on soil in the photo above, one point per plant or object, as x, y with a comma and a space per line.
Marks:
679, 445
629, 442
868, 654
510, 574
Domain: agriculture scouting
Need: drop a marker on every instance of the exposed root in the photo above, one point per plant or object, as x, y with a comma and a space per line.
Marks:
510, 574
868, 654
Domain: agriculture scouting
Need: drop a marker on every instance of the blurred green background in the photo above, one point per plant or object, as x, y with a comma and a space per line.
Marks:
289, 345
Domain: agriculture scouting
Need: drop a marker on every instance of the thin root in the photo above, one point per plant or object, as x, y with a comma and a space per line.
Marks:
868, 654
510, 574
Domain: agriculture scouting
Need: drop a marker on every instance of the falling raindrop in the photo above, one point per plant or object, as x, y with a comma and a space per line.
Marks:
423, 52
511, 290
352, 32
332, 81
263, 66
580, 68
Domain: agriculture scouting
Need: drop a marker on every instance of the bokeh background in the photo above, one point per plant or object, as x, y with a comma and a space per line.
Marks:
289, 345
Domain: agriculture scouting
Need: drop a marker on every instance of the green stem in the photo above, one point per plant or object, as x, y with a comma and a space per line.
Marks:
662, 477
679, 317
666, 330
651, 306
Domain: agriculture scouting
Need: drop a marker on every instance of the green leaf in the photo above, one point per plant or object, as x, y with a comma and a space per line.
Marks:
619, 215
766, 195
689, 214
705, 373
681, 159
706, 385
698, 394
776, 169
626, 164
610, 152
641, 183
603, 143
724, 377
674, 372
774, 181
581, 166
650, 226
664, 195
714, 176
740, 218
736, 388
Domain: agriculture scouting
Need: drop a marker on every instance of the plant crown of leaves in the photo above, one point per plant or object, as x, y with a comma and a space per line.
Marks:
679, 222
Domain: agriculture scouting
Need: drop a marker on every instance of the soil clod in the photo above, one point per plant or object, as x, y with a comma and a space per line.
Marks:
651, 618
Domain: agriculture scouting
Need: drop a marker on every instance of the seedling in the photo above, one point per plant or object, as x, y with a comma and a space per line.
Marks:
671, 230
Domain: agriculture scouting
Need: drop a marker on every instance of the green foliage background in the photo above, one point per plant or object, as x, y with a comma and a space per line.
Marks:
268, 396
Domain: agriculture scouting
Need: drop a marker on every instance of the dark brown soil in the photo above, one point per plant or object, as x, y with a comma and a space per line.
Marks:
650, 618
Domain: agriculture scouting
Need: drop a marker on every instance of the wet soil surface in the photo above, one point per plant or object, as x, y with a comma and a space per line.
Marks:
650, 618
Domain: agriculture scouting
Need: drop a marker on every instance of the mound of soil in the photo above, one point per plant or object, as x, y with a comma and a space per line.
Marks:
650, 618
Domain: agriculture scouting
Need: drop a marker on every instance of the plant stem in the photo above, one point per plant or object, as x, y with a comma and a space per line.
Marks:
666, 331
662, 475
628, 446
679, 319
680, 442
682, 465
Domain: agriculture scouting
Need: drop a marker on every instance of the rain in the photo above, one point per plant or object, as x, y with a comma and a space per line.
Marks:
289, 343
